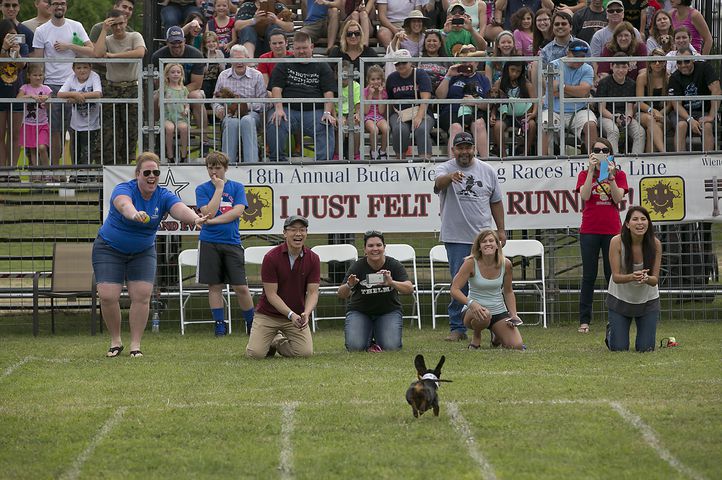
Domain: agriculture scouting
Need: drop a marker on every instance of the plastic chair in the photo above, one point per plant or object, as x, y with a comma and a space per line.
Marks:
254, 256
189, 258
405, 253
437, 255
332, 253
530, 249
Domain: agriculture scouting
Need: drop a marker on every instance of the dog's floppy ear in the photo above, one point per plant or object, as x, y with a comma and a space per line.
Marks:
420, 364
437, 370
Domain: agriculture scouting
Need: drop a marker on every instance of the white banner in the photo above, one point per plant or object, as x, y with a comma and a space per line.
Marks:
398, 197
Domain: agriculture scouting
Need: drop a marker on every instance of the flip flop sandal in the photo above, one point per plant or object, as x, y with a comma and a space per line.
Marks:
114, 352
136, 354
583, 329
473, 347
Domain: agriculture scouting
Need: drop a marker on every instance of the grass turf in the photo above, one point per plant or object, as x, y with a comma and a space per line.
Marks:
195, 407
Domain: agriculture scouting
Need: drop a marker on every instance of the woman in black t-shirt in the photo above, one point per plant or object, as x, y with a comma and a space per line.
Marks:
372, 284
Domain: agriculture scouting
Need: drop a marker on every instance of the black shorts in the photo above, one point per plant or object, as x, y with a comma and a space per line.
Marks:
221, 263
498, 318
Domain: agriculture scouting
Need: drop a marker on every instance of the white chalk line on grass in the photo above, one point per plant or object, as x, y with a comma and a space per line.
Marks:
462, 427
8, 371
286, 458
651, 439
77, 466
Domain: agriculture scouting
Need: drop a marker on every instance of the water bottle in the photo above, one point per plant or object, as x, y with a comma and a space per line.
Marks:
77, 40
155, 323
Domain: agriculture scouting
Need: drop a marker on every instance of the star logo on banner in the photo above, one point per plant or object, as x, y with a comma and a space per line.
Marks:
172, 185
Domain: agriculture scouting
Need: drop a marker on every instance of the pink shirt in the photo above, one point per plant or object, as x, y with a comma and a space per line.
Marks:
36, 113
695, 38
524, 43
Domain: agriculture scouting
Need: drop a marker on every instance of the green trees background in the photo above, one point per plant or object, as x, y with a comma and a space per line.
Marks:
87, 12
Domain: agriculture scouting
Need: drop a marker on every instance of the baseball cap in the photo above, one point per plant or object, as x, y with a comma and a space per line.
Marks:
454, 5
579, 48
174, 34
618, 2
293, 219
463, 138
400, 54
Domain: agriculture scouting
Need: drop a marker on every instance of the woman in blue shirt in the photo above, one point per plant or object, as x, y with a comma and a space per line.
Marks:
124, 251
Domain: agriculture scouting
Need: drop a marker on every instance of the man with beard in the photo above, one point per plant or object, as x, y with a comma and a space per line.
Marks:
470, 197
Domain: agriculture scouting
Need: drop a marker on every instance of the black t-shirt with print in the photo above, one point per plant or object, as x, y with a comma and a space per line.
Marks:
375, 299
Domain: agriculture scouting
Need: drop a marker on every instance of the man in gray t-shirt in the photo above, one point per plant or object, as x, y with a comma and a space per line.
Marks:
470, 197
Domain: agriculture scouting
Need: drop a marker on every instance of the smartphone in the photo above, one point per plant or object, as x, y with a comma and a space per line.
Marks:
515, 322
603, 170
457, 21
374, 278
19, 39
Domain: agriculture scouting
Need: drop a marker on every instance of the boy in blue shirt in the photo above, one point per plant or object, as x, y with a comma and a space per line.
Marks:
220, 258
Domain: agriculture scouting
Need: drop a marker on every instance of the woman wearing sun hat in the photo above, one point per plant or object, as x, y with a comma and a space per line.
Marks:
411, 37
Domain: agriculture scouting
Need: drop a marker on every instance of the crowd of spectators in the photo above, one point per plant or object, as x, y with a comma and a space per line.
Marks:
475, 34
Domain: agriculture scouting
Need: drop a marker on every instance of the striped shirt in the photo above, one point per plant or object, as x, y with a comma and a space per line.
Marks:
249, 85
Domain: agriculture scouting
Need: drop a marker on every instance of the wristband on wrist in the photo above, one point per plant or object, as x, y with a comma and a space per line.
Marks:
290, 314
327, 113
689, 119
469, 302
650, 109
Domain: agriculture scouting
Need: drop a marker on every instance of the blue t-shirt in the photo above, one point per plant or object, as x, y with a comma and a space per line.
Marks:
129, 236
478, 83
316, 12
234, 193
399, 88
573, 77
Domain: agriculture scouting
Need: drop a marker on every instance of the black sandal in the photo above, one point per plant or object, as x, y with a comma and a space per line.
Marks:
473, 347
136, 354
114, 352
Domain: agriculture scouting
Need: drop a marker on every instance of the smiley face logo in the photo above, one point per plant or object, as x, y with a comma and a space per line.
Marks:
663, 197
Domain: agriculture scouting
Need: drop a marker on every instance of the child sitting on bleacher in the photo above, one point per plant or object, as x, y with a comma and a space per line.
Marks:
374, 115
211, 51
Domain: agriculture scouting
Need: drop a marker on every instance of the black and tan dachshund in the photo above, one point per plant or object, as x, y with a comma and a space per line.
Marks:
422, 395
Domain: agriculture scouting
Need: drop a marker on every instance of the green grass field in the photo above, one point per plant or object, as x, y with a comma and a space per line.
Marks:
195, 407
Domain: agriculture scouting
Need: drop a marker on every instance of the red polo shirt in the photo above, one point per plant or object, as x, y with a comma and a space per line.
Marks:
292, 284
267, 68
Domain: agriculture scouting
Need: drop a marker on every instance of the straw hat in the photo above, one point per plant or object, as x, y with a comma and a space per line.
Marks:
416, 15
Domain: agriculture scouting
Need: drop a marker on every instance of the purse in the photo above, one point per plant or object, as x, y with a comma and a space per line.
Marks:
408, 114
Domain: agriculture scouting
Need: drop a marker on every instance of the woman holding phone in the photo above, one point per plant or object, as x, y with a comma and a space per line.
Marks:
636, 258
491, 302
372, 285
602, 186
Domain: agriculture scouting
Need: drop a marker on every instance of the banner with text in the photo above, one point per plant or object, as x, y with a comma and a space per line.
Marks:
398, 197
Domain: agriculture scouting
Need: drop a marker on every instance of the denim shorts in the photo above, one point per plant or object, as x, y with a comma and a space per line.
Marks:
112, 266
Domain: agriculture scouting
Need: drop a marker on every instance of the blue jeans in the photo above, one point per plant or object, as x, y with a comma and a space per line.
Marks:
245, 130
309, 122
590, 245
359, 329
618, 331
173, 14
457, 252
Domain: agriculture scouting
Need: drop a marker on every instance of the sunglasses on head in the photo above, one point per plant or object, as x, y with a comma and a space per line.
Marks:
156, 173
600, 150
579, 49
615, 10
373, 233
354, 33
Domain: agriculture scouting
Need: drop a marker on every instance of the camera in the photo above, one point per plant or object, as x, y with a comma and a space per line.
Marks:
465, 69
374, 278
457, 21
19, 39
514, 321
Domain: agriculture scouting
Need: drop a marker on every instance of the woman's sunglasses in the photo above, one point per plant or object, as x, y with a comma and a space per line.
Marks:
355, 33
600, 150
156, 173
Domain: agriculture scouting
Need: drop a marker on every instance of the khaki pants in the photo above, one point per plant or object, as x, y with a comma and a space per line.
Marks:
298, 343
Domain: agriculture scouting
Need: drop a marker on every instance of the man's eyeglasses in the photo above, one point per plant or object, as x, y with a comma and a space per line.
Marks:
600, 150
297, 229
684, 62
561, 24
156, 173
355, 33
615, 10
58, 4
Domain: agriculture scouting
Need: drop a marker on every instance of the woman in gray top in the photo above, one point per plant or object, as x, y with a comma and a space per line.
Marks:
635, 256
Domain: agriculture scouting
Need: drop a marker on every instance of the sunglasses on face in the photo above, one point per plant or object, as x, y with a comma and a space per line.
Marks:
600, 150
354, 33
684, 62
615, 10
561, 24
657, 61
11, 5
156, 173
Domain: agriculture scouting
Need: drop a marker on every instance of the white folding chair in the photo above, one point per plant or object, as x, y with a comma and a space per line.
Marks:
254, 256
406, 254
189, 258
530, 249
437, 256
332, 253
